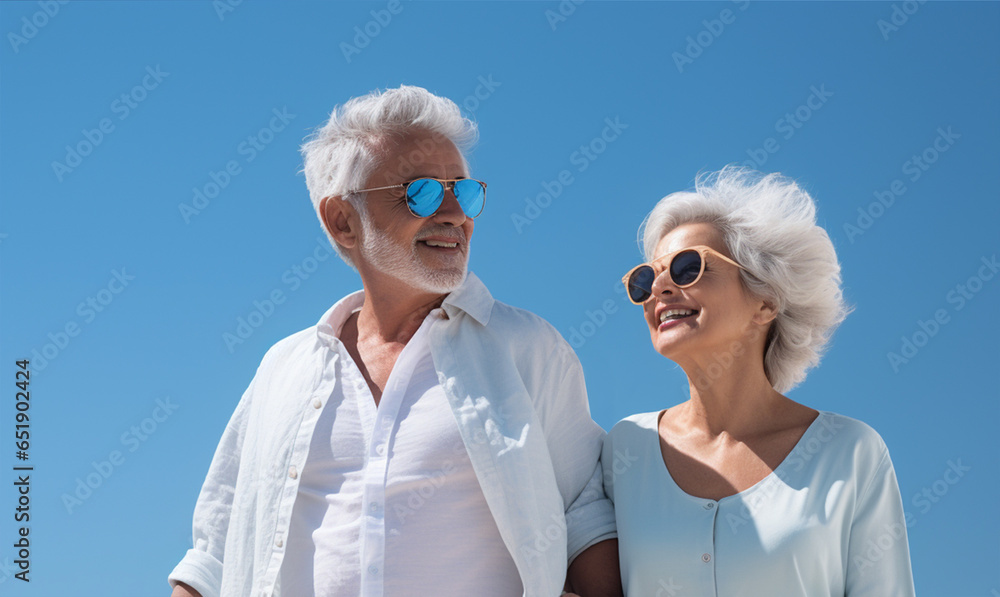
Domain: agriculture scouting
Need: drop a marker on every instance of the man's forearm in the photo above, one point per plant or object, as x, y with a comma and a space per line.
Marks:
182, 590
595, 572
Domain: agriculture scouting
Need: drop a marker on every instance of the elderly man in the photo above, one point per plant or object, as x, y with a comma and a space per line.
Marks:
421, 438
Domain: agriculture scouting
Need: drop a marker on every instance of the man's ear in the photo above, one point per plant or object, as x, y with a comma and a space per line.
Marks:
341, 220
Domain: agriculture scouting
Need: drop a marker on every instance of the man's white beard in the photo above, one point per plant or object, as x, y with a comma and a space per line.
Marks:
404, 264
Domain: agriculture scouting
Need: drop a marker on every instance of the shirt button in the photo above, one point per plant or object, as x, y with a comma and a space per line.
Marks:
317, 403
373, 569
706, 558
380, 449
279, 542
373, 507
293, 473
709, 505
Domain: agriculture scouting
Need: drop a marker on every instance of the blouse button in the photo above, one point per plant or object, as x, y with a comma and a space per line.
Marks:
709, 505
317, 403
279, 542
293, 473
706, 558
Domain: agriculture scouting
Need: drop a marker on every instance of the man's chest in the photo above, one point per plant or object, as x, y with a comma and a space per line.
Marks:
412, 430
376, 363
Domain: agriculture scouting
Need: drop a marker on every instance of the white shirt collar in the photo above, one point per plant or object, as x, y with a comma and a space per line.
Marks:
471, 297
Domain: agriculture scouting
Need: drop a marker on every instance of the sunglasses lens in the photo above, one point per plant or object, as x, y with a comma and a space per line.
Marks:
685, 268
471, 196
640, 284
424, 196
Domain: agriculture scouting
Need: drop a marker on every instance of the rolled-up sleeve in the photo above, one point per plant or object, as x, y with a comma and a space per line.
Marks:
590, 519
575, 443
201, 567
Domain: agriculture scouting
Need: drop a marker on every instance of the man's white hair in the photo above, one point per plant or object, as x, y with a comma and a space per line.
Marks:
341, 155
769, 226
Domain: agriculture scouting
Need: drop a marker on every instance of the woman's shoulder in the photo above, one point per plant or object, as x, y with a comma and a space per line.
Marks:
850, 442
849, 430
635, 423
631, 429
630, 442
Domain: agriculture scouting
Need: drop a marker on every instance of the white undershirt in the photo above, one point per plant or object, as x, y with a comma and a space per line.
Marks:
388, 503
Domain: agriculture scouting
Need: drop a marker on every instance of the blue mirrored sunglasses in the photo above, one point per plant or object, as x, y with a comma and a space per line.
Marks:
425, 195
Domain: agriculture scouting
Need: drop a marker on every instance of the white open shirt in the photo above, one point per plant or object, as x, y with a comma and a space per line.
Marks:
517, 392
388, 501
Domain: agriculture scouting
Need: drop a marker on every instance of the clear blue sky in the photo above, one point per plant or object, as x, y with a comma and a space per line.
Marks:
159, 99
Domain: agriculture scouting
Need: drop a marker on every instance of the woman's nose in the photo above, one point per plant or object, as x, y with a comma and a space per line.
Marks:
662, 284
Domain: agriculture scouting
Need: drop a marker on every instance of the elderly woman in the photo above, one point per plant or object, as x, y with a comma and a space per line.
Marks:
740, 490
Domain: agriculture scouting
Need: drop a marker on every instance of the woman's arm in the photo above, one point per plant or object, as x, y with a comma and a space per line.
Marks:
595, 572
878, 553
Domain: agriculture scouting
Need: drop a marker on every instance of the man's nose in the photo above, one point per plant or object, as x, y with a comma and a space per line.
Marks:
450, 211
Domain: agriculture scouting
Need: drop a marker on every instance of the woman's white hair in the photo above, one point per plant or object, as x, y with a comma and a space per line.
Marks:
769, 226
341, 155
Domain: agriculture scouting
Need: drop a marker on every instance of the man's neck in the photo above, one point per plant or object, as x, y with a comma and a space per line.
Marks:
394, 316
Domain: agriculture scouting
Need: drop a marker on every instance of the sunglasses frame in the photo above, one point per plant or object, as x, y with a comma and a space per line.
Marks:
444, 183
702, 251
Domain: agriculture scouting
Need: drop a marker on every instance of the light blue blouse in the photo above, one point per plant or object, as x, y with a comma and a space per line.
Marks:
828, 521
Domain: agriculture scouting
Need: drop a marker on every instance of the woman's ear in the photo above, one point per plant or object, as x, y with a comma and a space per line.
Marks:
340, 219
766, 313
